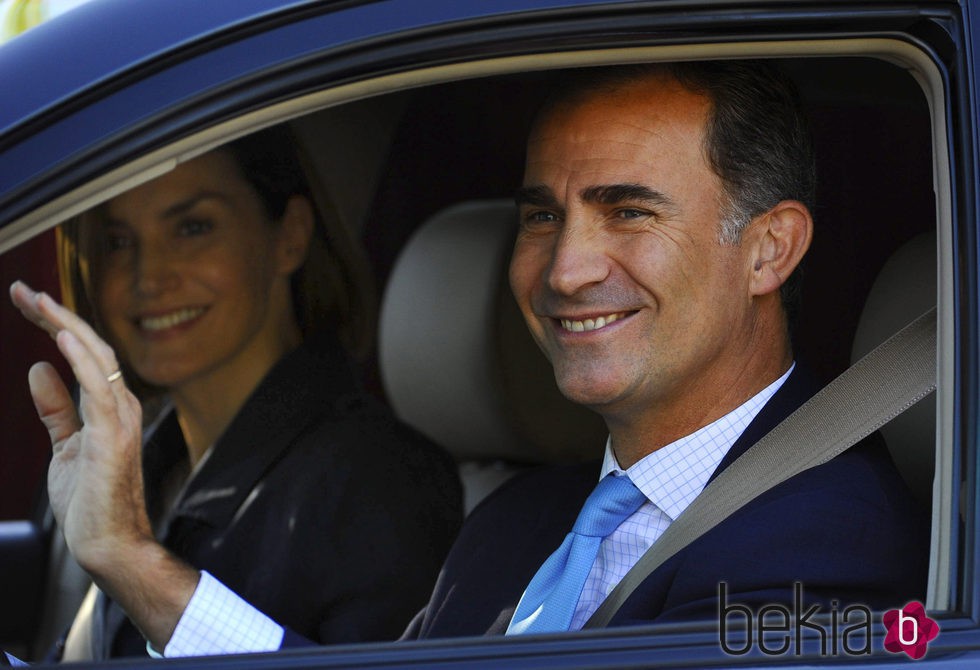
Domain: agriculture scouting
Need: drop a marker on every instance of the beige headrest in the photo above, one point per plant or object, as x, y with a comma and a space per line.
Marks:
903, 290
457, 361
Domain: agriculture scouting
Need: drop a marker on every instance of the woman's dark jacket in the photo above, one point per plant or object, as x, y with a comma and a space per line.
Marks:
316, 505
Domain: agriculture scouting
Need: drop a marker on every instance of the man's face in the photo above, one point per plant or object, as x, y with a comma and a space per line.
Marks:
618, 268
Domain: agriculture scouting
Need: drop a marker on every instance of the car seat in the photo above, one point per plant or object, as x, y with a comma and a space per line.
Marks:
457, 362
904, 288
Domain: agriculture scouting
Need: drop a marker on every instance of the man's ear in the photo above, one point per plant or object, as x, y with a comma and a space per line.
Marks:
295, 232
780, 240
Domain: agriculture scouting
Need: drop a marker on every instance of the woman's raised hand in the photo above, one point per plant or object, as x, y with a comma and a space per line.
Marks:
95, 479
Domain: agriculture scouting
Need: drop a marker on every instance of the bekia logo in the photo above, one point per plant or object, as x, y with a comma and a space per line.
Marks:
776, 630
909, 630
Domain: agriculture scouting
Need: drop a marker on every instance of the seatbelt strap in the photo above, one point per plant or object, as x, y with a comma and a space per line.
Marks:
890, 379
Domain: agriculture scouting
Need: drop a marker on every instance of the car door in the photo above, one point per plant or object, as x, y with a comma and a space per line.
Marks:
892, 84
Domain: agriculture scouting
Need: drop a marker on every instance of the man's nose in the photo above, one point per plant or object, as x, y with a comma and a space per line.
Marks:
155, 272
579, 259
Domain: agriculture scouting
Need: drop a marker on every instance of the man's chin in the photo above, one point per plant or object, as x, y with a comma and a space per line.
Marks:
594, 394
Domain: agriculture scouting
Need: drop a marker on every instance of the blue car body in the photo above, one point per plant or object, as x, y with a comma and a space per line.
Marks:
116, 87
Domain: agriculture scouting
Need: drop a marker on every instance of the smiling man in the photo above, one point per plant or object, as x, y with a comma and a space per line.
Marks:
664, 213
619, 262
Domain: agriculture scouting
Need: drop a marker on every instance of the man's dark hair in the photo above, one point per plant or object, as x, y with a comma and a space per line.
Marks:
757, 137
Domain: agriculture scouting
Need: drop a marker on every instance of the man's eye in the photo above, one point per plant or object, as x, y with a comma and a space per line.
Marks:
192, 227
631, 213
537, 217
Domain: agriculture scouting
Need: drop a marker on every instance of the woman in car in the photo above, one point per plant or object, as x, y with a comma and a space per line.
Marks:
233, 298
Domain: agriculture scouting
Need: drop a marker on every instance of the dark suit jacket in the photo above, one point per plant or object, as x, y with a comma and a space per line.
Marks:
847, 530
316, 506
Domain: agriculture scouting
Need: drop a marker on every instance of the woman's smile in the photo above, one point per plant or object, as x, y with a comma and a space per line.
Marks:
161, 322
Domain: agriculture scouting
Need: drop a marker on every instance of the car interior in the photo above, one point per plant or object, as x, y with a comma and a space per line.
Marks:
484, 371
426, 175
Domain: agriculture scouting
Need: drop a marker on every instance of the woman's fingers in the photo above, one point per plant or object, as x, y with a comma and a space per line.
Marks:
99, 401
40, 309
25, 299
53, 312
94, 478
105, 403
47, 313
53, 403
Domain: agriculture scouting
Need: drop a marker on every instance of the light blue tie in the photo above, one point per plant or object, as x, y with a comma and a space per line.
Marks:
550, 599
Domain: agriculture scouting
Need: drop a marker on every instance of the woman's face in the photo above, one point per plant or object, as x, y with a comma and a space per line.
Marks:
195, 279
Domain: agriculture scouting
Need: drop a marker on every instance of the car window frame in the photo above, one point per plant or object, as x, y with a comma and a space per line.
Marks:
950, 125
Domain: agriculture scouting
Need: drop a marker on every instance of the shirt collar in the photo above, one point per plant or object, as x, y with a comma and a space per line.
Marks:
672, 476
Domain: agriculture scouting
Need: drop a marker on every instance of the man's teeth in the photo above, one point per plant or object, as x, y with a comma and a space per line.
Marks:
170, 320
591, 324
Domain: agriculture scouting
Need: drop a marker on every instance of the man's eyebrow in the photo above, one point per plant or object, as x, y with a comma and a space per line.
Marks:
612, 194
538, 196
602, 194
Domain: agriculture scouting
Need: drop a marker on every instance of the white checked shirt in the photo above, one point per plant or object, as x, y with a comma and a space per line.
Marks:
218, 621
670, 478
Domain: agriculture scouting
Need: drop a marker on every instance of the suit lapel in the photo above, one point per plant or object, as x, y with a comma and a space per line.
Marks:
295, 394
646, 601
795, 391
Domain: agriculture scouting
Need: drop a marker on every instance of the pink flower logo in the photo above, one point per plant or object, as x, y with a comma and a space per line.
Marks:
909, 630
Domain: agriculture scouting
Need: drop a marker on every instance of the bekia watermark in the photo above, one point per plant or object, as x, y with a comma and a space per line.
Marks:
840, 630
909, 630
777, 629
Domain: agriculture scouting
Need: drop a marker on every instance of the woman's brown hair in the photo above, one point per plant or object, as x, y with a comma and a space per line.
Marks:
332, 292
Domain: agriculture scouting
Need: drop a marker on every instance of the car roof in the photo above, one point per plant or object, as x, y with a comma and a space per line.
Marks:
104, 38
91, 75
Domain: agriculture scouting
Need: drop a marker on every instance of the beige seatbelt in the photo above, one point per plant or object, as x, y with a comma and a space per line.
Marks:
890, 379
